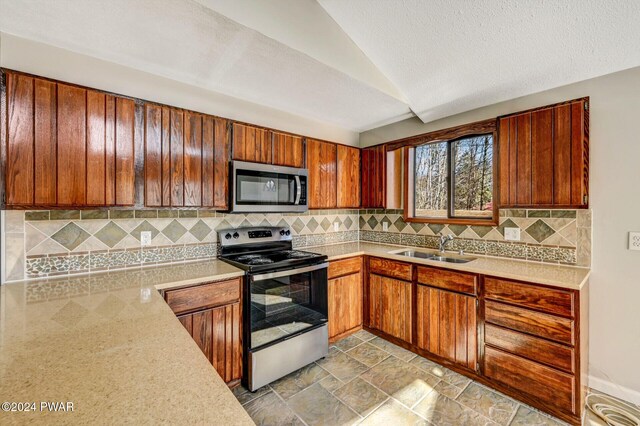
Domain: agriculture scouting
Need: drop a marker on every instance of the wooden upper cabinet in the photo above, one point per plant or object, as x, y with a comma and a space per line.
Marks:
251, 144
321, 162
67, 146
544, 157
186, 155
374, 177
287, 150
348, 177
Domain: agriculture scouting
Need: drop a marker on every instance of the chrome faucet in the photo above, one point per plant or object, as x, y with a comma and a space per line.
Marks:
444, 239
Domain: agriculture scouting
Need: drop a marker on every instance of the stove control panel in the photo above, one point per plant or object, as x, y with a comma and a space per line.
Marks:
263, 233
232, 237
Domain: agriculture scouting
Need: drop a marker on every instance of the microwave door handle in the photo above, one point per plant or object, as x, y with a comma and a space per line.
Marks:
290, 272
298, 190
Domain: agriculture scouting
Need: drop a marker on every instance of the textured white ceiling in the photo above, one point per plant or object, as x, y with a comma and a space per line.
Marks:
188, 42
451, 56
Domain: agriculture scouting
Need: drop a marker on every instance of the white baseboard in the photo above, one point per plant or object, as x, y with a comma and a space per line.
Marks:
612, 389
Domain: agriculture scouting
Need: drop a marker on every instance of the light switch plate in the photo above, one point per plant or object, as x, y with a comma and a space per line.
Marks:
336, 226
512, 234
145, 238
634, 241
385, 226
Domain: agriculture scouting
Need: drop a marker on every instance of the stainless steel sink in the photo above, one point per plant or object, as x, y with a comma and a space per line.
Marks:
431, 256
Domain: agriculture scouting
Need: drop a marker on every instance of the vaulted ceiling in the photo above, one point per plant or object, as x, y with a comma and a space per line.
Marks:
357, 64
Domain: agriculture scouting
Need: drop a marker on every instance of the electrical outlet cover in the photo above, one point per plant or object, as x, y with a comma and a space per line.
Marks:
512, 234
634, 241
145, 238
336, 226
385, 226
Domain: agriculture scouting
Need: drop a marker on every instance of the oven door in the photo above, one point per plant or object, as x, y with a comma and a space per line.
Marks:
267, 188
284, 304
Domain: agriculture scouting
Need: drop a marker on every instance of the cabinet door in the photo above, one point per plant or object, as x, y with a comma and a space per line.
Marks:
217, 333
543, 157
446, 325
287, 150
374, 177
186, 158
390, 308
345, 304
321, 162
68, 146
251, 144
348, 177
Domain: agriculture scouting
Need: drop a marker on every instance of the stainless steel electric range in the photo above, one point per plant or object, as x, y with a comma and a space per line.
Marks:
284, 302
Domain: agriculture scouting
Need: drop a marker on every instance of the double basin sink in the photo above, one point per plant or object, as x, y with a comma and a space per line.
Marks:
436, 257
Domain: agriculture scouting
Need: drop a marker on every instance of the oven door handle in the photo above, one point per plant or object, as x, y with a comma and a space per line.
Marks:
290, 272
298, 190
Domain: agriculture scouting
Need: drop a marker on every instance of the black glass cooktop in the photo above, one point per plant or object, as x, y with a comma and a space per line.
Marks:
276, 258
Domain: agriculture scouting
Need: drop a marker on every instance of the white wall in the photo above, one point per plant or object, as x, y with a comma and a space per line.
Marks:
41, 59
615, 202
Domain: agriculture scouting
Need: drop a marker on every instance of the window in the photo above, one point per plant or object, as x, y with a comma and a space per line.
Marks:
453, 179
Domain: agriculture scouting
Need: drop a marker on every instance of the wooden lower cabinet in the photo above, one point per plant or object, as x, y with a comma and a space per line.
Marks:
212, 314
345, 307
390, 306
217, 332
446, 325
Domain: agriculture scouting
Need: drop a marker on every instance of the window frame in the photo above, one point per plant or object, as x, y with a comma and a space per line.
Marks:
409, 178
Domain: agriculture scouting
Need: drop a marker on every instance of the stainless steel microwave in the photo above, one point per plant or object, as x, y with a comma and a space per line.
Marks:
267, 188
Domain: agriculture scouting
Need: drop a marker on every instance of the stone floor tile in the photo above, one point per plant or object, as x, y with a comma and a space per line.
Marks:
316, 406
442, 411
393, 413
244, 396
347, 343
444, 373
526, 416
368, 354
490, 404
299, 380
362, 397
330, 383
364, 335
448, 390
402, 381
342, 366
269, 410
394, 350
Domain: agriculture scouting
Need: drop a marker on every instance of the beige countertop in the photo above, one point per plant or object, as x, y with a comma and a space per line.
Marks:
109, 344
569, 277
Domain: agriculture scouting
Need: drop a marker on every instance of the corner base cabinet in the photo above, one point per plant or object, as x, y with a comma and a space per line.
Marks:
212, 314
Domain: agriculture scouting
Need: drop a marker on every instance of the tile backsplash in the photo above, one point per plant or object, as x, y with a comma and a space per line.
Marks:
558, 236
60, 242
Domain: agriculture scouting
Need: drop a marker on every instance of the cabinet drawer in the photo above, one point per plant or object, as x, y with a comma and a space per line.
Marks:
530, 347
531, 322
447, 280
338, 268
553, 301
390, 268
203, 296
541, 382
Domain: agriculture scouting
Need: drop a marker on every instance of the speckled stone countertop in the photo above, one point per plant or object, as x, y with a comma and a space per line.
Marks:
569, 277
109, 344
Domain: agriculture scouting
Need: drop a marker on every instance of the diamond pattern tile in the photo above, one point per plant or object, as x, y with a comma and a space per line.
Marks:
400, 224
326, 224
174, 230
348, 222
200, 230
540, 231
481, 231
111, 234
144, 227
297, 225
458, 229
312, 225
436, 227
372, 222
70, 236
362, 222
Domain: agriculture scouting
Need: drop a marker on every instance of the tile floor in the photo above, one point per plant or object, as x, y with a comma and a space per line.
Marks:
367, 380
